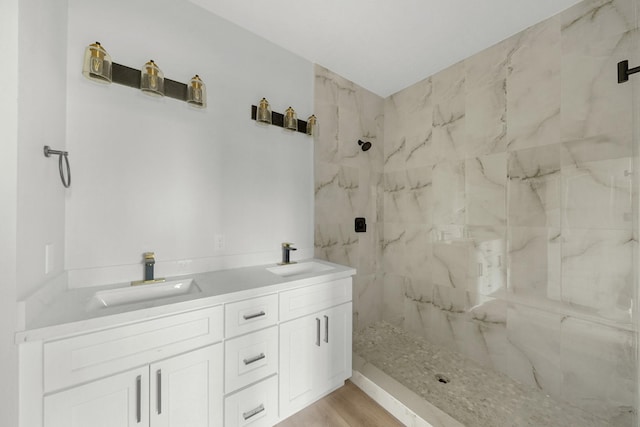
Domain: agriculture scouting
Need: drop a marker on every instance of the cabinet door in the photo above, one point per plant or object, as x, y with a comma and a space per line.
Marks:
186, 390
300, 342
336, 355
121, 400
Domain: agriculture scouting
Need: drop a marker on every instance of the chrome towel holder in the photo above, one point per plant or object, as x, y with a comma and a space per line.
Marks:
48, 152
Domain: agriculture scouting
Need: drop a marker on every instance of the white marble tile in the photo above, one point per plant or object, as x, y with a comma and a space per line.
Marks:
486, 190
594, 105
486, 120
326, 143
418, 252
487, 268
534, 354
394, 258
367, 300
597, 272
590, 21
599, 369
450, 263
336, 192
336, 243
448, 319
449, 193
418, 307
393, 294
412, 109
395, 196
486, 341
419, 195
325, 86
534, 188
394, 140
597, 194
534, 257
533, 87
449, 131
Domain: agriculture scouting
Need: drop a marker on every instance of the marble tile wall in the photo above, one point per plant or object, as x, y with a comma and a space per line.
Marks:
348, 184
501, 202
508, 189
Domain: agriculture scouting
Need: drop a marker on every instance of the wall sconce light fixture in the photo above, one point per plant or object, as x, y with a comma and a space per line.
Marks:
263, 115
290, 119
152, 79
197, 92
312, 125
97, 63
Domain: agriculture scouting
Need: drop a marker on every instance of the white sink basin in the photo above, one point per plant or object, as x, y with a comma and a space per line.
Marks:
290, 270
130, 294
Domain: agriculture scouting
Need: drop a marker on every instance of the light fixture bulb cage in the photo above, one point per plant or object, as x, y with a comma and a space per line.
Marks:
197, 92
263, 114
290, 119
152, 79
97, 64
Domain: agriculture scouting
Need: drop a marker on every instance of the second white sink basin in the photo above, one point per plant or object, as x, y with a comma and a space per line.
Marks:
290, 270
130, 294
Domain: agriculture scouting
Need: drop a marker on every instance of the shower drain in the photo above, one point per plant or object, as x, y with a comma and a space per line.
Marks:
441, 378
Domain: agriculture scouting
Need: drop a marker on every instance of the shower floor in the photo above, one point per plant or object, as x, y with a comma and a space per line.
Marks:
475, 396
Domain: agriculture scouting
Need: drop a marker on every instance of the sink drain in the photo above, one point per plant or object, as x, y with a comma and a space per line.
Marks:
441, 378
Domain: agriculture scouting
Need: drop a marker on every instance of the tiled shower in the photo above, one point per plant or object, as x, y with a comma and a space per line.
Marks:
501, 201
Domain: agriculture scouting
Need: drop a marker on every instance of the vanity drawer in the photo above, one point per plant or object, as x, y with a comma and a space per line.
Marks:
250, 358
250, 315
87, 357
302, 301
256, 406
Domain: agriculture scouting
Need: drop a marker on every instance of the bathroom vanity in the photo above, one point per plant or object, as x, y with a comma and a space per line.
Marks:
241, 347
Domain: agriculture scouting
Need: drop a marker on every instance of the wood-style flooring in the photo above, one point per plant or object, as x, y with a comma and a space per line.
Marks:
348, 406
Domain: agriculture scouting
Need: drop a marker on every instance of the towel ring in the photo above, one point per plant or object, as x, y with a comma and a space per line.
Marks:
48, 152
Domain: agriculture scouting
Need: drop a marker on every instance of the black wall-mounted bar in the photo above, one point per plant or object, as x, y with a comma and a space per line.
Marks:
624, 71
128, 76
277, 119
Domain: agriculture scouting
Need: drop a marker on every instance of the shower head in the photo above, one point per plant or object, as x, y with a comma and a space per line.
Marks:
365, 145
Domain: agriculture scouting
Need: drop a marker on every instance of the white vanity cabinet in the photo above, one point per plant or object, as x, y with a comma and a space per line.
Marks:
185, 390
250, 358
315, 349
85, 384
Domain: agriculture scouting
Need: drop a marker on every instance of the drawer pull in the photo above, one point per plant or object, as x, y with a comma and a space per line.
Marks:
326, 329
139, 399
253, 316
253, 412
159, 391
317, 332
254, 359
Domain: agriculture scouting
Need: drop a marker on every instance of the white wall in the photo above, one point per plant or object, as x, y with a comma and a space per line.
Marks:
154, 175
41, 121
8, 197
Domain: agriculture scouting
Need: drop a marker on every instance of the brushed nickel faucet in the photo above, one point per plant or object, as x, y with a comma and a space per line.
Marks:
286, 253
149, 263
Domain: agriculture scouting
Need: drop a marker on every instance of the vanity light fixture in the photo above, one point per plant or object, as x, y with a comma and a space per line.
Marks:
290, 119
197, 92
312, 125
263, 115
97, 64
152, 79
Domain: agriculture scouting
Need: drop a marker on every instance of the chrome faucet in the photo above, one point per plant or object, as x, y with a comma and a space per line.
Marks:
286, 252
149, 263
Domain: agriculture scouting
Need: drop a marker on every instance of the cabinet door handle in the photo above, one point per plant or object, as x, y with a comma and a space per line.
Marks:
326, 329
139, 399
253, 412
250, 360
159, 391
253, 316
317, 332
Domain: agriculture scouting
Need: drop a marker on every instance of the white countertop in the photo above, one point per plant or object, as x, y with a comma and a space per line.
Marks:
70, 312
